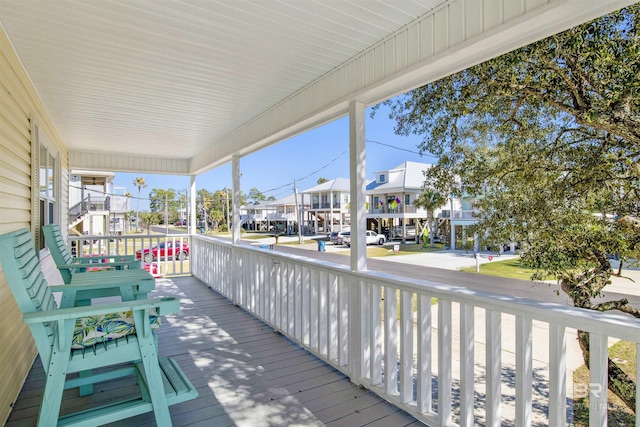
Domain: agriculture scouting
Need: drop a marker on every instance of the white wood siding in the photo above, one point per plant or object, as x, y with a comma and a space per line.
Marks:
19, 101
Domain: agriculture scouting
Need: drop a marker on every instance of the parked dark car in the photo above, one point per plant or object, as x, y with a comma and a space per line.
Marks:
164, 249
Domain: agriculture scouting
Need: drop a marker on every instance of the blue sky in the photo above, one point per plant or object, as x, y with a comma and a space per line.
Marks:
321, 152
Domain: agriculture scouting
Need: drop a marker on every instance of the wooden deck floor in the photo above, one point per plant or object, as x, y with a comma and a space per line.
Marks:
246, 374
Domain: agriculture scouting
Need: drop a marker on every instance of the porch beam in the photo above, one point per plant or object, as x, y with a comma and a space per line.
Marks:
235, 189
453, 36
192, 204
358, 186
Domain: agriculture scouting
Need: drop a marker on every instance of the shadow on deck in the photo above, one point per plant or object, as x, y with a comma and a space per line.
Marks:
246, 374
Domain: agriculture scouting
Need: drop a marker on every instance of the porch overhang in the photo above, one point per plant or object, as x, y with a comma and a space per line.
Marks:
174, 91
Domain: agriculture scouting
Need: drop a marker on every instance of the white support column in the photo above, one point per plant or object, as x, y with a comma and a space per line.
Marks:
358, 178
192, 204
235, 237
453, 236
331, 207
235, 186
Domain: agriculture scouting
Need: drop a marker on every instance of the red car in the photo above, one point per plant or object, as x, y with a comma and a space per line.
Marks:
164, 249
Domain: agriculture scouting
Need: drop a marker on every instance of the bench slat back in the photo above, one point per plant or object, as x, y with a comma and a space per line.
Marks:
21, 267
59, 251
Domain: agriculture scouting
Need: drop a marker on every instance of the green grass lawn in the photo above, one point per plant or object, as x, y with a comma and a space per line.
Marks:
375, 251
511, 268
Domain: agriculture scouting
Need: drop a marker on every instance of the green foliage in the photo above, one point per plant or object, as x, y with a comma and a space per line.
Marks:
159, 198
255, 195
430, 200
546, 141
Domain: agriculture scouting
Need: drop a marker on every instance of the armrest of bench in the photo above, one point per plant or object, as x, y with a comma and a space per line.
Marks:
163, 306
116, 258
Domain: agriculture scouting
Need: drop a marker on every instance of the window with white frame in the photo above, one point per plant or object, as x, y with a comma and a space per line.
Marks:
49, 188
382, 178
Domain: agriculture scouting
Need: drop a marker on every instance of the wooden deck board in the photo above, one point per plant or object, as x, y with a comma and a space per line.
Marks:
246, 374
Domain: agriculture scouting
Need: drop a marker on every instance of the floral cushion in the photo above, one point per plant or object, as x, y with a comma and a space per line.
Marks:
93, 330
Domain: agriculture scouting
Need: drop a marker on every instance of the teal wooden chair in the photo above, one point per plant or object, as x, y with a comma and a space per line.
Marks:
68, 265
124, 277
81, 339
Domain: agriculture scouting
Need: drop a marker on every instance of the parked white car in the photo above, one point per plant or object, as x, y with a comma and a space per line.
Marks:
337, 236
373, 238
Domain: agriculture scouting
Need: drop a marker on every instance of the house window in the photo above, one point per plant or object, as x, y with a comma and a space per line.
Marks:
407, 200
382, 177
49, 189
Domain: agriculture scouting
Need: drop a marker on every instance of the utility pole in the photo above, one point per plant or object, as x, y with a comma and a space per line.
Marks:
226, 196
186, 208
298, 211
166, 213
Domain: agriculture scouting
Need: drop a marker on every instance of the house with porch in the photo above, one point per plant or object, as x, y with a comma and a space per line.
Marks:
390, 198
329, 207
391, 209
96, 206
281, 216
253, 217
157, 88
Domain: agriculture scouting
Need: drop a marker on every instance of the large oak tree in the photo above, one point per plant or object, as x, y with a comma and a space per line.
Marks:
546, 140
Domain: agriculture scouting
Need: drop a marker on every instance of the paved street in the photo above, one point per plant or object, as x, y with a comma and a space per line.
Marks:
423, 266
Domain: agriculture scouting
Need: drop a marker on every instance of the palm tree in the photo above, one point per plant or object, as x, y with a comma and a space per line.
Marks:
430, 200
140, 183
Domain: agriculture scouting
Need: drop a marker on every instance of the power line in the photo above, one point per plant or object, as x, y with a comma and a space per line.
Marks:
307, 176
338, 157
288, 184
392, 146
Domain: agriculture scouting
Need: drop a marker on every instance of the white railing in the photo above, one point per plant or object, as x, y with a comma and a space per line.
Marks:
163, 262
460, 357
465, 214
400, 209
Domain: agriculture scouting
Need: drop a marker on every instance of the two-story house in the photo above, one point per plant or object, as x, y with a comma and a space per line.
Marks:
96, 206
391, 196
253, 217
282, 215
391, 207
328, 205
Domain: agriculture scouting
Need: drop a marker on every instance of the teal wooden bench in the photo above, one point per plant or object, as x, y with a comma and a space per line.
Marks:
68, 264
125, 278
82, 339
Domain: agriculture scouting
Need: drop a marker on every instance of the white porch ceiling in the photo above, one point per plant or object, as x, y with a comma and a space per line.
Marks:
181, 86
